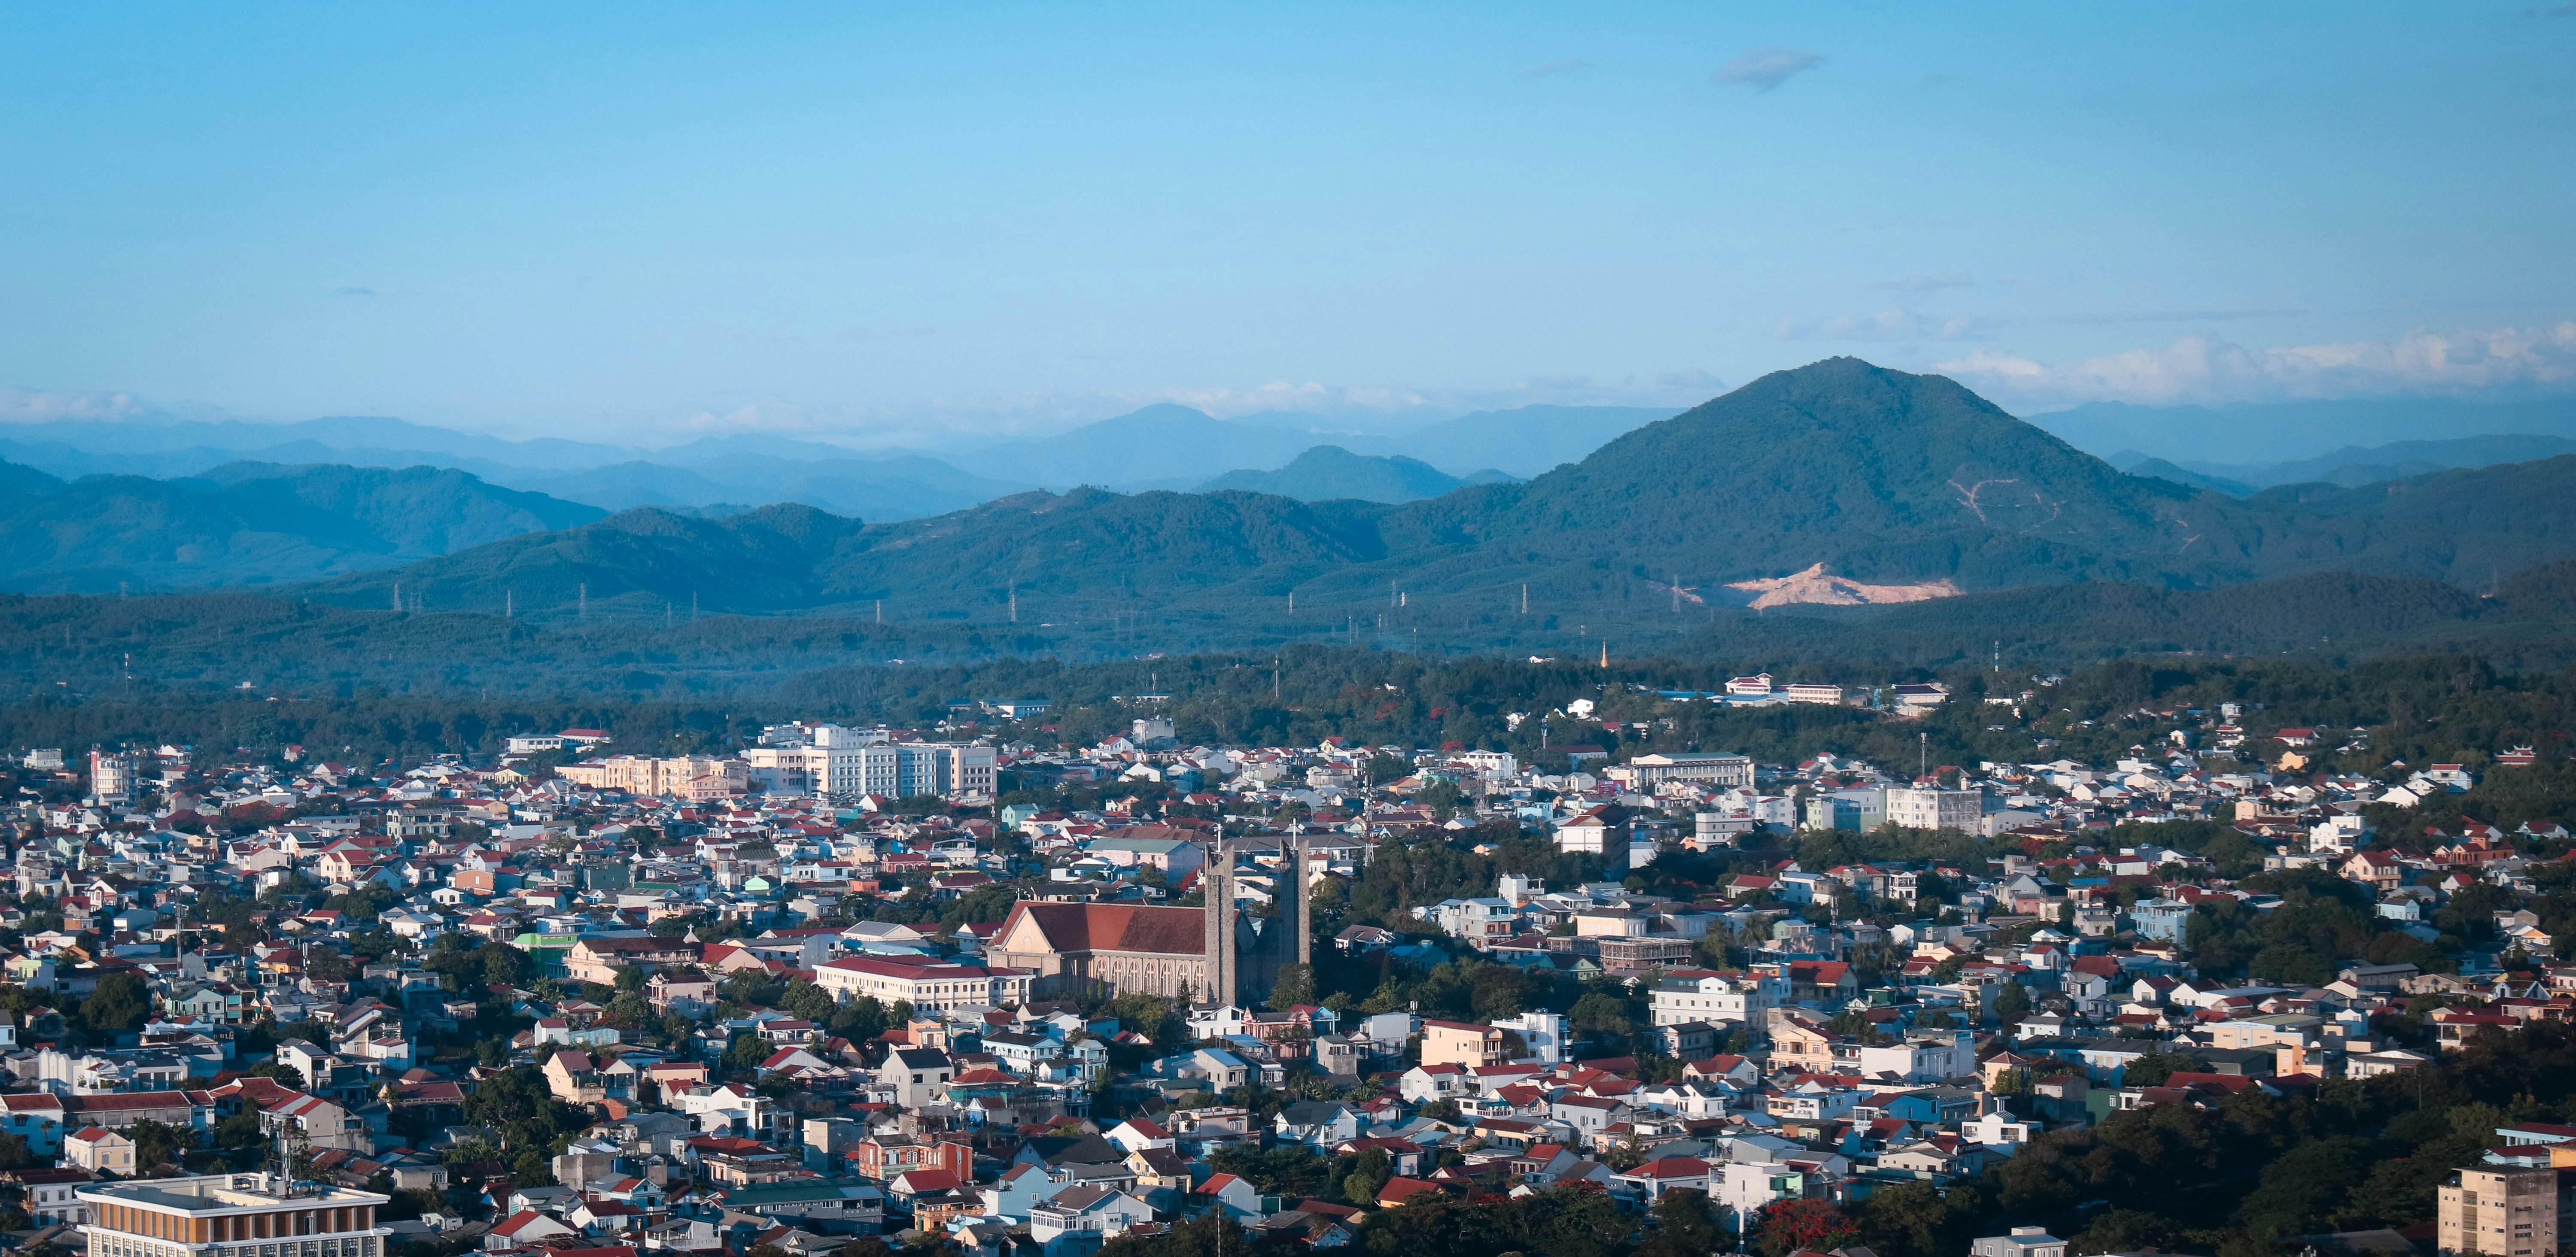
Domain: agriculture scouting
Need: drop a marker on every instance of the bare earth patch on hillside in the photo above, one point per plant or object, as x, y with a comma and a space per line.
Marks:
1815, 585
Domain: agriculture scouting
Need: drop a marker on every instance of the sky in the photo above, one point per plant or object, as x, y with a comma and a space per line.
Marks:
898, 224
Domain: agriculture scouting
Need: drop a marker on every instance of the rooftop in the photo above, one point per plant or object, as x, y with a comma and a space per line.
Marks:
216, 1193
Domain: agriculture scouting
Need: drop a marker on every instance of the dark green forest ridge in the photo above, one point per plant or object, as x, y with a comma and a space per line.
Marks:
75, 647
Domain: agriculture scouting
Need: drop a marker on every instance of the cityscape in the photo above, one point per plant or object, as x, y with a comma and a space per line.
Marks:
1667, 630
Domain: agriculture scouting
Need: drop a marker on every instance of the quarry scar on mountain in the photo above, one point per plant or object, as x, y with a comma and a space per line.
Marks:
1815, 585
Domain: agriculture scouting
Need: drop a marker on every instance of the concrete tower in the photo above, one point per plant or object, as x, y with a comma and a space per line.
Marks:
1297, 905
1216, 885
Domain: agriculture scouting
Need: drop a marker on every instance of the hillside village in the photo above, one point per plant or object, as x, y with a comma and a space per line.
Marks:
852, 985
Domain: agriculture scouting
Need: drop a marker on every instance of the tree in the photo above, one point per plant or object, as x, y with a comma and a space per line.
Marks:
747, 1051
2153, 1068
504, 965
120, 1005
1792, 1226
2012, 1003
1369, 1174
156, 1143
1685, 1226
809, 1001
629, 1011
1600, 1012
1295, 985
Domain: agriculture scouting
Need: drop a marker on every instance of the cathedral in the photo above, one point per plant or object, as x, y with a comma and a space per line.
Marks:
1206, 955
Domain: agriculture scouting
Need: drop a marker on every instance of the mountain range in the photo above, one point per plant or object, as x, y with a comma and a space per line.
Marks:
2351, 466
251, 523
1840, 477
2266, 433
1165, 446
1884, 478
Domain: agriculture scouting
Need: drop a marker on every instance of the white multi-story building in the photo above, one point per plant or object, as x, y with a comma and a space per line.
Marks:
1935, 809
1923, 1057
111, 778
1645, 772
1481, 923
925, 987
834, 760
1542, 1033
1688, 995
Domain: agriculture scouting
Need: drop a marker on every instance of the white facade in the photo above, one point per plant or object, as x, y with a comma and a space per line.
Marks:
925, 987
1544, 1033
1935, 809
1715, 998
1647, 771
111, 778
839, 762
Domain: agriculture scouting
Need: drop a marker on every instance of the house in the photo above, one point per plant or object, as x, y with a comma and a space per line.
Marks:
1235, 1195
1654, 1178
918, 1076
100, 1151
528, 1229
2026, 1241
36, 1117
1467, 1044
1086, 1209
1319, 1123
52, 1196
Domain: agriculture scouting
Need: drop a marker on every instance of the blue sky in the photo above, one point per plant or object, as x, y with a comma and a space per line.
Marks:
891, 224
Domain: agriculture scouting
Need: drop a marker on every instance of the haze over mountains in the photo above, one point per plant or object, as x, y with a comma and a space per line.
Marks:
2252, 434
1861, 477
1880, 476
1161, 446
2351, 466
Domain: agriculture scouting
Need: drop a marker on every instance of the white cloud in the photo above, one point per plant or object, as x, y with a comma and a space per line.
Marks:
21, 405
2201, 369
2171, 316
1767, 68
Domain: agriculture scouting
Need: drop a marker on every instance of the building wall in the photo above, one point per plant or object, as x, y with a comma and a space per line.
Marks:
2501, 1213
929, 989
1934, 809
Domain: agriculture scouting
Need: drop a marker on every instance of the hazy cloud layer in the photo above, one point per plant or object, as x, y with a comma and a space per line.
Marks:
25, 405
971, 418
1767, 68
1568, 66
2203, 369
1884, 325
